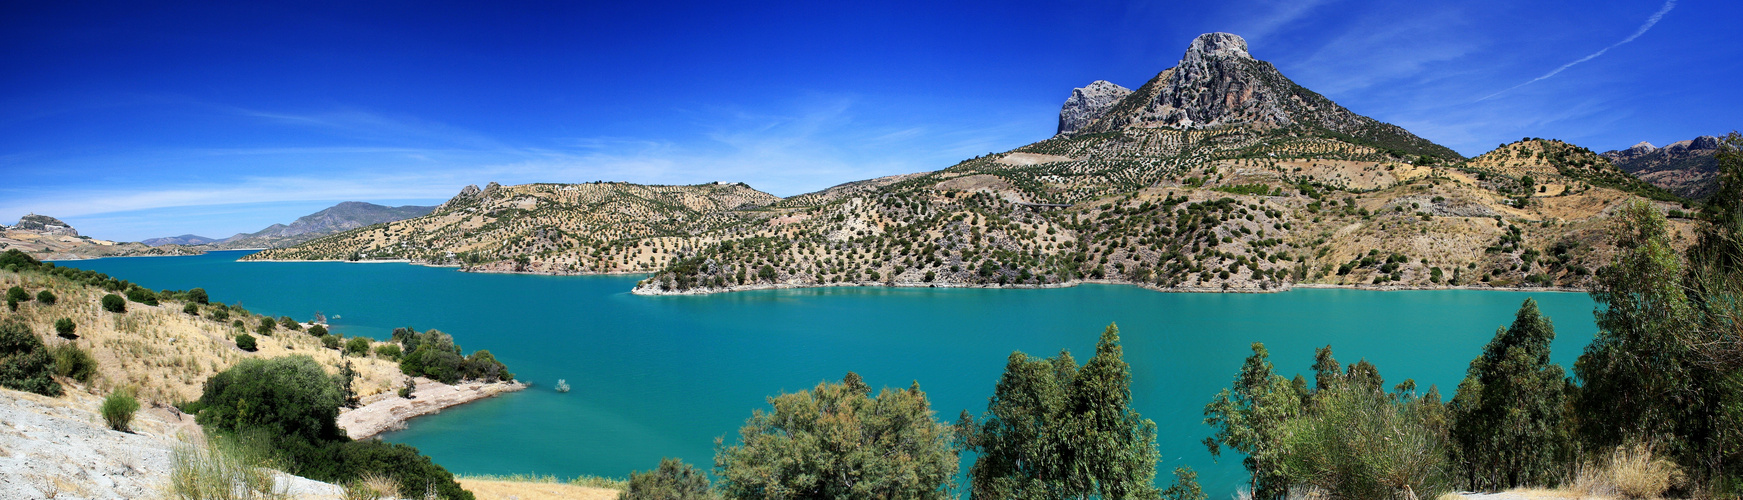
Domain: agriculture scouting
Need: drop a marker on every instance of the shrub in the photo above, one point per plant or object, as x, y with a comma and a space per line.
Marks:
372, 486
291, 396
141, 295
65, 328
72, 362
388, 351
266, 326
245, 342
47, 298
331, 341
114, 303
220, 314
199, 295
217, 471
25, 363
1631, 471
357, 346
17, 294
318, 331
854, 446
481, 365
118, 410
416, 473
239, 325
191, 309
290, 324
673, 480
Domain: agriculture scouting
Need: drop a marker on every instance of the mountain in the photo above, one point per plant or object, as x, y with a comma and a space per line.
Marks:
44, 224
48, 238
341, 217
1687, 168
600, 227
1219, 174
186, 239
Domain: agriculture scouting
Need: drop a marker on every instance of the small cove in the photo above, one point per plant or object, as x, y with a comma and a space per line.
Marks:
660, 377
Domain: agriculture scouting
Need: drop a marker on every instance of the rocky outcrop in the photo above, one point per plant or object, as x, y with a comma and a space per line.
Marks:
186, 239
1687, 168
1218, 83
468, 194
45, 225
1088, 103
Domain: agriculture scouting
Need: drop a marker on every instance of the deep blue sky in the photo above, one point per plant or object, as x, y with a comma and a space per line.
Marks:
132, 121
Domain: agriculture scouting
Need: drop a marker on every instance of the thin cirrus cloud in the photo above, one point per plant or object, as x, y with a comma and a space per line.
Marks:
1650, 21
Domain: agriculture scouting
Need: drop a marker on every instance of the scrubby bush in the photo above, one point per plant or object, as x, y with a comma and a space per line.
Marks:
245, 342
290, 324
353, 460
47, 298
291, 396
855, 446
198, 295
239, 325
25, 363
65, 328
191, 309
481, 365
318, 331
331, 341
434, 355
217, 470
388, 351
266, 326
220, 314
17, 294
357, 346
114, 303
1630, 471
673, 480
118, 409
141, 295
72, 362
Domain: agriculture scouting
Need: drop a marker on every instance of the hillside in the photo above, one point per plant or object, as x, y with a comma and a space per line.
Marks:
1687, 168
1218, 175
48, 238
553, 228
186, 239
337, 218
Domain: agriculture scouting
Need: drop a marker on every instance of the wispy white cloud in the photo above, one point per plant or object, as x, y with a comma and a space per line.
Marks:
1277, 16
1650, 21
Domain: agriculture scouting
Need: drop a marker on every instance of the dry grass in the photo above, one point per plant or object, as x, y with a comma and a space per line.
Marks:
539, 488
372, 486
1631, 471
162, 353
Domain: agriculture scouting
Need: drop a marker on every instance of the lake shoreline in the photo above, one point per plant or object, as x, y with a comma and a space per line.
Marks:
388, 411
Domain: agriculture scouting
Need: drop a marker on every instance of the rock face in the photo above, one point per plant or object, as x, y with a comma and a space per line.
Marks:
44, 224
1088, 103
1687, 168
1218, 83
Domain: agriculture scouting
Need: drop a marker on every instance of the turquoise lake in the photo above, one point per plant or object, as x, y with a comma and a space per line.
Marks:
661, 377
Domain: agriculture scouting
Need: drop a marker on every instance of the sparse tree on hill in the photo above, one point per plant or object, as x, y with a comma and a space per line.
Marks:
65, 328
114, 303
46, 297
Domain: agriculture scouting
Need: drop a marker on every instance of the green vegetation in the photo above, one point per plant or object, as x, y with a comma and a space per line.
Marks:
118, 409
673, 480
888, 446
114, 303
267, 325
219, 470
1508, 428
1053, 430
245, 342
25, 363
191, 309
72, 362
288, 406
357, 346
388, 351
318, 331
434, 355
65, 328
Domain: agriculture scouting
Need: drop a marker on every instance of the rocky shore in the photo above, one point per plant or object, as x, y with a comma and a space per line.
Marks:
387, 411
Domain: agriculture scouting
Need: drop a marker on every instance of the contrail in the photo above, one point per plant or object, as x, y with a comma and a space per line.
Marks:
1669, 4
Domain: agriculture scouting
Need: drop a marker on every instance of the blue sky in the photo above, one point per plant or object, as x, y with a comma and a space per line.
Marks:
132, 120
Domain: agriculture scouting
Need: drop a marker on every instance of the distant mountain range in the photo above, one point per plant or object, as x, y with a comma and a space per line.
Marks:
1687, 168
1219, 174
341, 217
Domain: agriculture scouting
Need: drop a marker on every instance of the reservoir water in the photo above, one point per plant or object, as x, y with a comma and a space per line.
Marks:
657, 377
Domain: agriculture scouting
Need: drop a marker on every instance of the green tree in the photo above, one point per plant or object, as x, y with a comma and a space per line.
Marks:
1507, 418
1249, 418
220, 314
357, 346
290, 324
290, 397
72, 362
331, 341
673, 480
318, 331
47, 298
25, 363
836, 442
114, 304
245, 342
65, 328
198, 295
1053, 430
118, 410
191, 309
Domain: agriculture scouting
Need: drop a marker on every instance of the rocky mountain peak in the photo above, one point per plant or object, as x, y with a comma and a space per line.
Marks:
1088, 103
1642, 148
468, 193
1217, 45
44, 224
